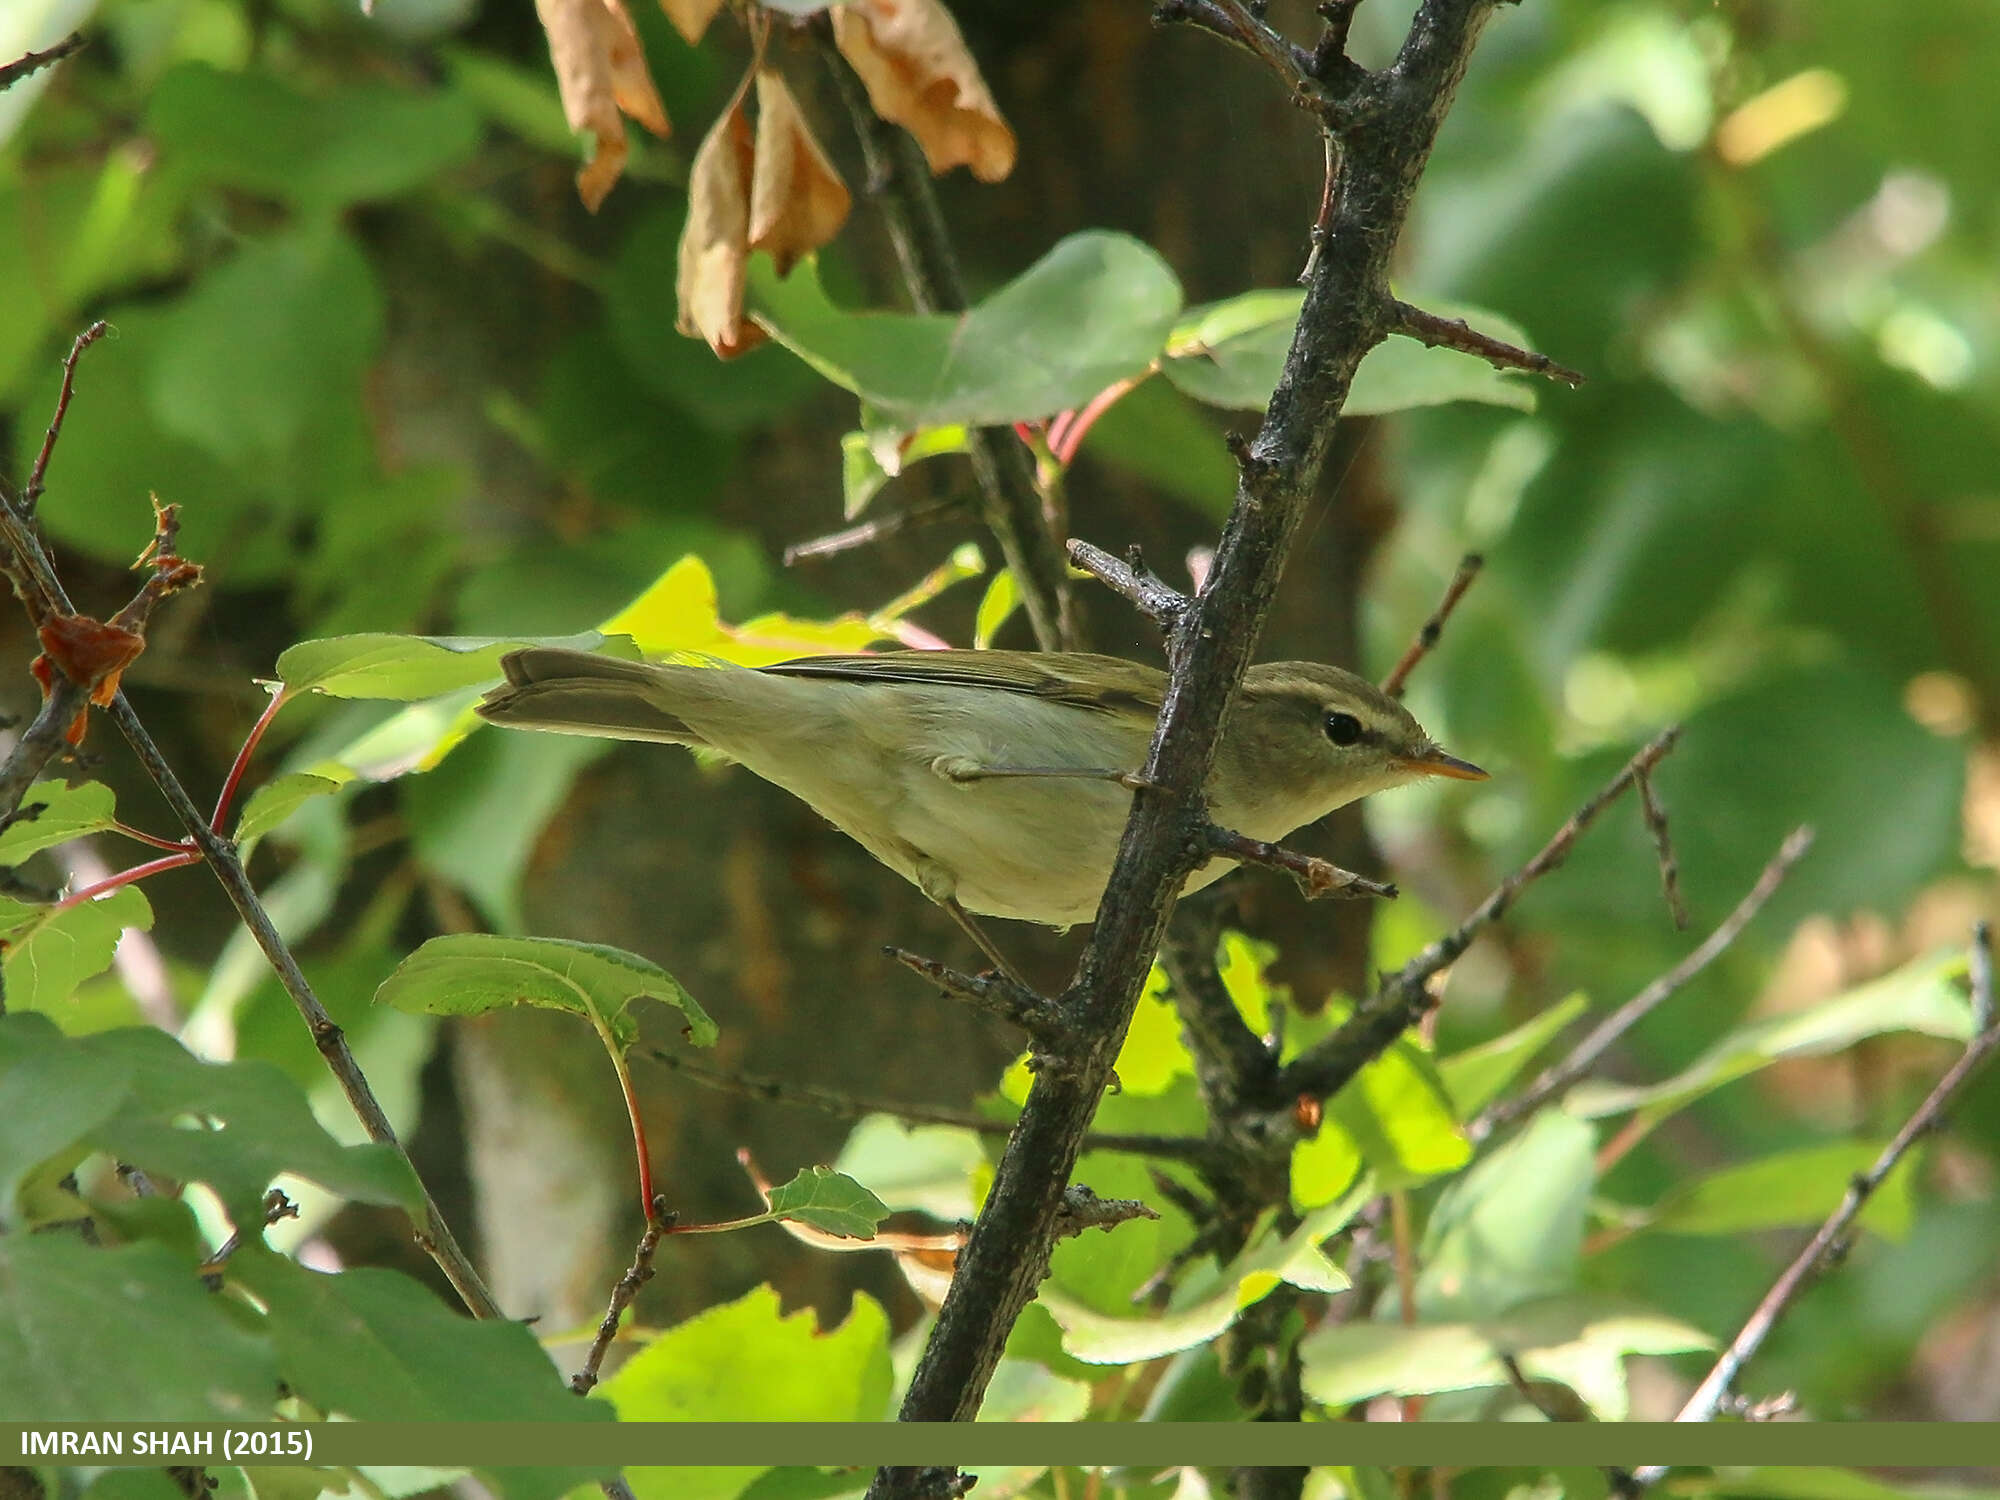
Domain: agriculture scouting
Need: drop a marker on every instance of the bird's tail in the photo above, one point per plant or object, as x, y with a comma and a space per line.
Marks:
576, 692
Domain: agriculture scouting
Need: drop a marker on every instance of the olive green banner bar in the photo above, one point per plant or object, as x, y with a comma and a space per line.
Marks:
1153, 1445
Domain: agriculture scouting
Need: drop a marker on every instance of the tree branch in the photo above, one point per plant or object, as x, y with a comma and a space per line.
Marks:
1454, 333
30, 63
1403, 998
1010, 504
1208, 650
1134, 582
1316, 877
1433, 628
1590, 1051
1825, 1249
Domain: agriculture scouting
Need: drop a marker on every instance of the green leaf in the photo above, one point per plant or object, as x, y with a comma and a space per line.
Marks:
1231, 354
1511, 1229
269, 349
1790, 1187
374, 1345
1208, 1301
1923, 997
279, 798
53, 813
470, 973
362, 142
745, 1362
255, 1123
1475, 1077
923, 1167
995, 606
1095, 310
407, 667
869, 459
51, 950
122, 1335
831, 1202
1578, 1341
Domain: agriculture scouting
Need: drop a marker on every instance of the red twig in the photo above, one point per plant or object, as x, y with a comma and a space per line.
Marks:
234, 779
1066, 434
1433, 628
137, 873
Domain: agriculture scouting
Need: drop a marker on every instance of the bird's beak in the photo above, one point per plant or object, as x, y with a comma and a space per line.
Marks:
1434, 762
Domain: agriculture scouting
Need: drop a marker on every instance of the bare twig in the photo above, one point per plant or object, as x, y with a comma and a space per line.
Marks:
1590, 1051
1404, 996
1454, 333
636, 1276
1433, 628
1082, 1209
1663, 845
847, 539
30, 63
1132, 580
1010, 504
995, 994
1232, 21
33, 493
1186, 1148
1825, 1248
1316, 877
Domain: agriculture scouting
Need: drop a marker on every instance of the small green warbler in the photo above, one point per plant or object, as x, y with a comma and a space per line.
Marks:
997, 782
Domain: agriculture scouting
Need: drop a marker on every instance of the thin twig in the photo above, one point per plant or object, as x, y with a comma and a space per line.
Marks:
835, 542
30, 63
1316, 877
1433, 628
1590, 1051
35, 488
1231, 20
1404, 996
1133, 581
1663, 845
1082, 1209
1454, 333
636, 1276
1825, 1249
995, 994
1011, 506
845, 1106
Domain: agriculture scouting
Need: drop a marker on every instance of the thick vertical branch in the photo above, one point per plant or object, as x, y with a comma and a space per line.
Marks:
1010, 503
1346, 312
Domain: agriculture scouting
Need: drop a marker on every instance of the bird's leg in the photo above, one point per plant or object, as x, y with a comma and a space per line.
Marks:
962, 769
985, 944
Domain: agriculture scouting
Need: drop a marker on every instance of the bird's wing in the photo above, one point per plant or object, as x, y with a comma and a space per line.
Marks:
1078, 677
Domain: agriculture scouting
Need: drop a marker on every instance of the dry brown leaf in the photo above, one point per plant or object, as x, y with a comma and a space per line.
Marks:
691, 17
600, 71
715, 245
797, 200
919, 75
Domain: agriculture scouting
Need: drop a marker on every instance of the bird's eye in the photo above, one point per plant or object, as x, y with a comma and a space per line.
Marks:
1343, 729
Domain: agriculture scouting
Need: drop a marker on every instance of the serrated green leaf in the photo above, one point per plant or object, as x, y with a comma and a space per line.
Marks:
51, 950
470, 973
53, 813
830, 1201
122, 1335
1093, 311
255, 1122
278, 799
403, 668
374, 1345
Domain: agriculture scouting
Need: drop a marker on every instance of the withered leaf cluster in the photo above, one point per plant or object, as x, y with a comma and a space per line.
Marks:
770, 187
